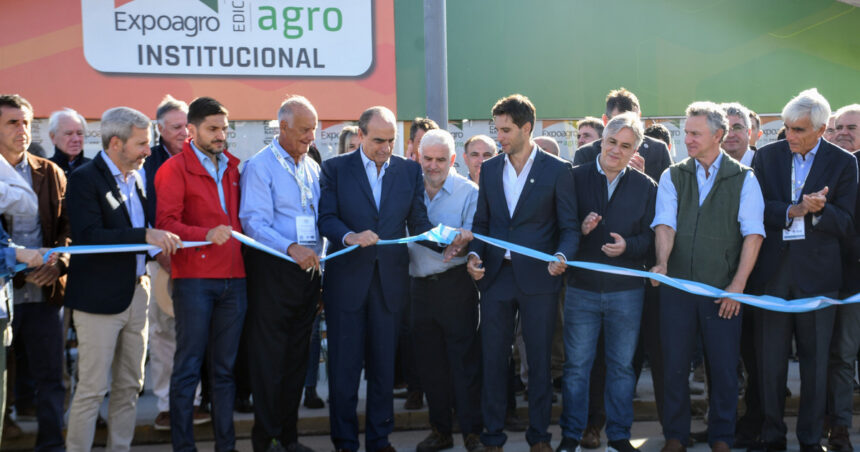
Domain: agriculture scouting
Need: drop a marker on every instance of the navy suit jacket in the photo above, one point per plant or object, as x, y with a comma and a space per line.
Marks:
815, 261
98, 216
346, 205
544, 219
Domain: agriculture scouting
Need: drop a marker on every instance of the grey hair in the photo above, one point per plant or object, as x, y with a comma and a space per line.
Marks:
853, 108
629, 120
808, 104
739, 111
54, 120
715, 115
437, 137
285, 113
119, 121
168, 104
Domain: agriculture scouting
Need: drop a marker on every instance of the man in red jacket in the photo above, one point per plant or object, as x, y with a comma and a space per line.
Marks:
198, 199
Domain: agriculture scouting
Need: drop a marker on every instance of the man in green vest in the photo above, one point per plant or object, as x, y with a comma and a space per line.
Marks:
709, 226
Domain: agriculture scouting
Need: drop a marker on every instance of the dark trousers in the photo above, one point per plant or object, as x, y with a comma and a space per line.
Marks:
365, 336
445, 330
282, 301
649, 345
843, 354
406, 364
749, 425
499, 305
812, 332
209, 318
37, 330
683, 317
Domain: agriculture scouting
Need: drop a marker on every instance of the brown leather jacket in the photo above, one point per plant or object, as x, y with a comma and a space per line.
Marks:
49, 183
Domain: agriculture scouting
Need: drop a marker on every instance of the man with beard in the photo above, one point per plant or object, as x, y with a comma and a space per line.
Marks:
198, 199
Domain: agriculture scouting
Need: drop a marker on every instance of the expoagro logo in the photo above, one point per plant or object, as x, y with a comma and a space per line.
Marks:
330, 38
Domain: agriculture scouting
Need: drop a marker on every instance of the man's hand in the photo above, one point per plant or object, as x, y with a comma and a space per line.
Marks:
590, 222
558, 267
166, 240
815, 202
33, 258
614, 249
659, 269
473, 266
304, 256
164, 261
362, 239
219, 235
637, 162
44, 275
797, 211
458, 245
728, 307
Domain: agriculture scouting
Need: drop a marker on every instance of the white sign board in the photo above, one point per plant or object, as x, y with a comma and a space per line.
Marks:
306, 38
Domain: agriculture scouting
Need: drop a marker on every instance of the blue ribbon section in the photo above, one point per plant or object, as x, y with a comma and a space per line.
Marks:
768, 302
444, 235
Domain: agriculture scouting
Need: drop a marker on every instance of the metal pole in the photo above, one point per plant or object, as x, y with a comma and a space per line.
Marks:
436, 61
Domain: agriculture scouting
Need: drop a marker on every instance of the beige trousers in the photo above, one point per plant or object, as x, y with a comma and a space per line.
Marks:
109, 345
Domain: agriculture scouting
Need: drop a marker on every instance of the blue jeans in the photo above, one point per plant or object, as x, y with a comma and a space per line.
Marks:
209, 317
619, 313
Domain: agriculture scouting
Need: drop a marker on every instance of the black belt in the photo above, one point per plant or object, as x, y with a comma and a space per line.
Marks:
441, 275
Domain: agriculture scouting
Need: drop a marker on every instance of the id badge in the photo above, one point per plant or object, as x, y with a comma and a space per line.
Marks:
306, 230
797, 230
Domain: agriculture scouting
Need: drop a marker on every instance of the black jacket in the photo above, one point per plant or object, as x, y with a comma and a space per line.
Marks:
101, 283
628, 213
62, 160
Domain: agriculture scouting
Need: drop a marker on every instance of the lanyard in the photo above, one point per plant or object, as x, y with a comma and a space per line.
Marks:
302, 177
796, 190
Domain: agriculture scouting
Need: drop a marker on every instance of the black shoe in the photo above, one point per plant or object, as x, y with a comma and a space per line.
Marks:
744, 441
243, 405
700, 437
621, 445
513, 423
275, 446
312, 400
414, 401
435, 441
568, 445
761, 446
839, 440
812, 448
298, 447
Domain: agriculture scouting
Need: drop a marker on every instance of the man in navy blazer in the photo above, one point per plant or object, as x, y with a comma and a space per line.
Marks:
809, 188
366, 196
526, 196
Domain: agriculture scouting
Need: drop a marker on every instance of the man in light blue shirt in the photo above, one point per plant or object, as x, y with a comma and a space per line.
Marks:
445, 303
709, 228
279, 208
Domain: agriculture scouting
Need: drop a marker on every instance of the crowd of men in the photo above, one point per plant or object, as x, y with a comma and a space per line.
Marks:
776, 221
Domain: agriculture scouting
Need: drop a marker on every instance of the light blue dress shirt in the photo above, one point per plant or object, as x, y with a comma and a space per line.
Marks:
374, 179
209, 166
802, 165
610, 186
750, 211
271, 198
26, 231
454, 205
131, 200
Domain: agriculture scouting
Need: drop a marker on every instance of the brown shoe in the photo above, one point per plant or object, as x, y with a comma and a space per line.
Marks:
435, 442
11, 429
414, 401
493, 449
199, 417
673, 445
839, 439
720, 446
162, 421
590, 437
473, 443
540, 447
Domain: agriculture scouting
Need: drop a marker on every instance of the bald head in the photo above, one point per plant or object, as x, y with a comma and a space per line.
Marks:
548, 144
